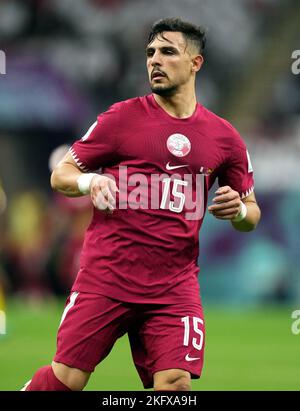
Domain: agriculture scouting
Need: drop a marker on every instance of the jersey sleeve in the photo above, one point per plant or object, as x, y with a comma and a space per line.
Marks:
238, 172
97, 148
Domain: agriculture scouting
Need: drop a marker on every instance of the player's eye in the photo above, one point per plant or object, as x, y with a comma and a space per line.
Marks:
149, 53
169, 50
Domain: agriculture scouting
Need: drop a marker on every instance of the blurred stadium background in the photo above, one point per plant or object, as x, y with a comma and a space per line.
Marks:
68, 60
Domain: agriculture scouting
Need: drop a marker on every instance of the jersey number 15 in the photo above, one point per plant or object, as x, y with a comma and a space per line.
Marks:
179, 198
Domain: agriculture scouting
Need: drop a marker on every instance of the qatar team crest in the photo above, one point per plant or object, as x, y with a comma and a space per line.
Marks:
179, 145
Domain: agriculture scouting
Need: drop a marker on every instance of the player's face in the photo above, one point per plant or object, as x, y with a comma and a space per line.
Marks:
169, 63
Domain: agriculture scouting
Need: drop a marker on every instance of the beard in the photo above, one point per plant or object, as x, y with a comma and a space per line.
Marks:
164, 91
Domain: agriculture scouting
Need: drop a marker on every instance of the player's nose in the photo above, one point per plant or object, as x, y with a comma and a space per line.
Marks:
156, 59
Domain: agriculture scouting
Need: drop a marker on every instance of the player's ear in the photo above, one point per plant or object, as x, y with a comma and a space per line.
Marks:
197, 62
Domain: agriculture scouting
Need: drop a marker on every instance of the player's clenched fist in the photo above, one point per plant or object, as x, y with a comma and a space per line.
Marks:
227, 204
103, 193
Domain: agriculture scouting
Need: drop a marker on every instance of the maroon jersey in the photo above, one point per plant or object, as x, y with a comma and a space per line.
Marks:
147, 250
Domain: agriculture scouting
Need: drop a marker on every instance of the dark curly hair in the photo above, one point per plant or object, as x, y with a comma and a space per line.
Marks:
192, 33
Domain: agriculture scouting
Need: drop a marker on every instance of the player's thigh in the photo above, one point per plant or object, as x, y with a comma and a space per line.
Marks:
169, 337
90, 326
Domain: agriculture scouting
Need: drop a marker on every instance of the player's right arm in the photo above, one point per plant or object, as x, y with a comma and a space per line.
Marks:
68, 179
96, 149
64, 177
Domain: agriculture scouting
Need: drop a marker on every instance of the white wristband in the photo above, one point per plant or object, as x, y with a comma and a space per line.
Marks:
241, 215
84, 182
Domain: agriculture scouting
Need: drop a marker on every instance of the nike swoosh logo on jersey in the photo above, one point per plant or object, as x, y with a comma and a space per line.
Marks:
168, 167
188, 358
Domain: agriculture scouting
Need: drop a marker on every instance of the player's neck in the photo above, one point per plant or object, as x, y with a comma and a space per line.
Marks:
180, 105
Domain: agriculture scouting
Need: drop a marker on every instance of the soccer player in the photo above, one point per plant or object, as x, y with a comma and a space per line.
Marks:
159, 155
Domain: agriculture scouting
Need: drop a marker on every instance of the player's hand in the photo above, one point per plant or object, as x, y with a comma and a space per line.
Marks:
103, 193
226, 204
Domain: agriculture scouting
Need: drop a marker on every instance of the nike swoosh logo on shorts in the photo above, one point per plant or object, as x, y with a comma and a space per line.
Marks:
168, 167
188, 358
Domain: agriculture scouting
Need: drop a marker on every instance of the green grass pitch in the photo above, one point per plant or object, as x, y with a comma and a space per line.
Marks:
245, 350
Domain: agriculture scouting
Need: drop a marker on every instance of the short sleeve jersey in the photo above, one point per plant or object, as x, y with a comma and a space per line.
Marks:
147, 250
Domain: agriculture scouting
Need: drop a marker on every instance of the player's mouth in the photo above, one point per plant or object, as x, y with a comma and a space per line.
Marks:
157, 75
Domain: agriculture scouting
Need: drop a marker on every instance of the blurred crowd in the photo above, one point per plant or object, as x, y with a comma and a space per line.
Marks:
69, 60
43, 238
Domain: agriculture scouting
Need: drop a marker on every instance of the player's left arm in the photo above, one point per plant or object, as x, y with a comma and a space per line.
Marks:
227, 205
